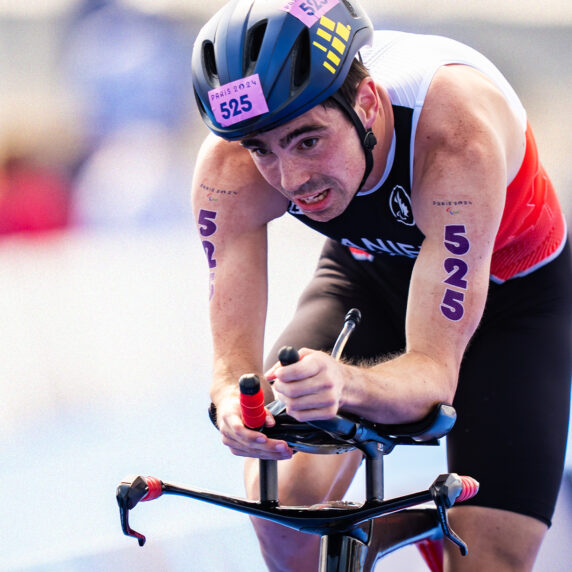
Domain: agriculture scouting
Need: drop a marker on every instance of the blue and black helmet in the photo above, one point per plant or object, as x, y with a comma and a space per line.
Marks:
258, 64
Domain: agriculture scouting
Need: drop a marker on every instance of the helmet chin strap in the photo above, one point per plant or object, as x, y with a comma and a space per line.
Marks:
366, 136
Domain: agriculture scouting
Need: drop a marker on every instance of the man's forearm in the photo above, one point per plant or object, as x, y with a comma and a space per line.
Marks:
400, 390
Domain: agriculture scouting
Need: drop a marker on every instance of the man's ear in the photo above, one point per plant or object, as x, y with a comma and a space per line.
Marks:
367, 102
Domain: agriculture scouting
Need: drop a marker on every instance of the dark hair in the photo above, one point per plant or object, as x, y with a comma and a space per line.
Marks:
348, 90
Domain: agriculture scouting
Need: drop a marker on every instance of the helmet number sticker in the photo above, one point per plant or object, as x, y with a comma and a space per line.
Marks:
309, 11
238, 100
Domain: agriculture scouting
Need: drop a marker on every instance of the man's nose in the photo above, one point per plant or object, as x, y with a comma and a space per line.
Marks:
292, 175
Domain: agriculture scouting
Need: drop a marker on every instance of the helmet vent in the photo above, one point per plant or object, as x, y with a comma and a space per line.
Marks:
350, 8
301, 57
209, 61
254, 43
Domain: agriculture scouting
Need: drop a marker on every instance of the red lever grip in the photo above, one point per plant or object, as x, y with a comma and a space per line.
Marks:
155, 488
470, 489
252, 401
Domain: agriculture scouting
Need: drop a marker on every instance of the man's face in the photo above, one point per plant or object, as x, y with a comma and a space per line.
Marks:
316, 161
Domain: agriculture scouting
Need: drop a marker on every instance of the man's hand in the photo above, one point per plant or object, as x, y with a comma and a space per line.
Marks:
245, 442
311, 388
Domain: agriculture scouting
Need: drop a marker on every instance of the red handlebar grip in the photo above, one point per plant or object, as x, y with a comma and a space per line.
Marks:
253, 412
252, 401
470, 489
155, 487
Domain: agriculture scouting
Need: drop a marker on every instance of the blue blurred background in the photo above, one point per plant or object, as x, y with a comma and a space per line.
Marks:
104, 343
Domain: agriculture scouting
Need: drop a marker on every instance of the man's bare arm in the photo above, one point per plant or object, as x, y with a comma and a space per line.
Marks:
232, 206
464, 150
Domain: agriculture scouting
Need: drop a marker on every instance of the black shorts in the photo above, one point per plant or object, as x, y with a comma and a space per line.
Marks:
513, 395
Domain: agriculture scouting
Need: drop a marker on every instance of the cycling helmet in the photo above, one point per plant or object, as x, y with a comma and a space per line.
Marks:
260, 63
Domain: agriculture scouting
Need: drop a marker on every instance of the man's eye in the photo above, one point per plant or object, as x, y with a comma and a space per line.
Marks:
259, 152
308, 143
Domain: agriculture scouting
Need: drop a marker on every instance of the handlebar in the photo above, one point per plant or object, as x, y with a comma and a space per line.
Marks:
341, 433
334, 517
345, 432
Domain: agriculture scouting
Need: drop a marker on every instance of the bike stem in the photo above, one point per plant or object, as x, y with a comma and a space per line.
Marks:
373, 453
268, 482
374, 482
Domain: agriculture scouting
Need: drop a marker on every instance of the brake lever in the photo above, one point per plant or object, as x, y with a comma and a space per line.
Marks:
445, 491
129, 493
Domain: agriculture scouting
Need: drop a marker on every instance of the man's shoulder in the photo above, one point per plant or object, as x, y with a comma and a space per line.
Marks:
229, 161
226, 178
225, 154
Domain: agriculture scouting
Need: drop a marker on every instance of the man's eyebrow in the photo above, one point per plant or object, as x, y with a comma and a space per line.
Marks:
285, 141
252, 142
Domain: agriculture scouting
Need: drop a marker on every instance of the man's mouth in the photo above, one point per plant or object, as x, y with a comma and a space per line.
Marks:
315, 198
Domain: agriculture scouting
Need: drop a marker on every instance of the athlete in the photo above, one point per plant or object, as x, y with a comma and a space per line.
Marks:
414, 156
